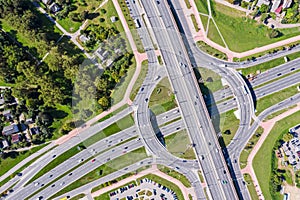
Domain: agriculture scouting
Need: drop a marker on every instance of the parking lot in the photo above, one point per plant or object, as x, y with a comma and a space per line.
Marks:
147, 189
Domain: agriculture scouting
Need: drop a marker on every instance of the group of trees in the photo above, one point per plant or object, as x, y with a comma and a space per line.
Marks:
293, 14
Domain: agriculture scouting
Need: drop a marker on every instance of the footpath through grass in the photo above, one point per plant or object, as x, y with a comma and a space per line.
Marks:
179, 145
275, 98
108, 168
262, 162
240, 32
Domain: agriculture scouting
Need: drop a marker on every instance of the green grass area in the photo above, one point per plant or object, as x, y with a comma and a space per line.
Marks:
108, 168
137, 85
248, 148
36, 47
202, 6
195, 22
121, 124
211, 80
14, 157
175, 175
227, 124
288, 177
275, 98
188, 4
275, 114
69, 25
200, 176
105, 196
251, 187
164, 182
214, 35
162, 98
78, 197
260, 54
131, 26
268, 65
262, 162
240, 32
160, 60
121, 88
112, 114
204, 20
179, 145
56, 161
211, 51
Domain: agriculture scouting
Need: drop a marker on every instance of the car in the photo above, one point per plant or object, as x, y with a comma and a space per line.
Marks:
62, 183
126, 168
125, 147
224, 182
53, 185
292, 69
80, 160
108, 159
70, 174
93, 160
53, 156
177, 128
42, 185
184, 161
156, 78
279, 74
50, 175
36, 184
146, 100
40, 197
19, 174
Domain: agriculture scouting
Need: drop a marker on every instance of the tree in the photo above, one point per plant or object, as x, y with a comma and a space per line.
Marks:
103, 102
274, 33
264, 8
101, 19
101, 84
84, 15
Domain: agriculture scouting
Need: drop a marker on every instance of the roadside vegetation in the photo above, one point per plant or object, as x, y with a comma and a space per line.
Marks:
105, 169
272, 99
265, 161
162, 98
251, 187
195, 22
212, 51
175, 175
137, 85
179, 145
249, 146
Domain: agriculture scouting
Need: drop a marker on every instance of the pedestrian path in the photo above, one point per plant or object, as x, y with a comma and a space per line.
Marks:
267, 126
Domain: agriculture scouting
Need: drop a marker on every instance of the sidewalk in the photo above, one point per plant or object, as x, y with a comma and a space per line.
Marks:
267, 126
185, 191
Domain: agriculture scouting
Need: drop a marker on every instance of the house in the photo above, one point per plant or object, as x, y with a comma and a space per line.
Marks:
3, 144
113, 19
7, 114
9, 130
261, 2
83, 38
34, 130
287, 3
54, 8
47, 2
275, 5
278, 10
29, 121
15, 138
1, 101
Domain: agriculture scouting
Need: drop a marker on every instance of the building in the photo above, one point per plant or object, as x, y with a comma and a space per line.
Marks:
113, 19
54, 8
7, 114
83, 38
9, 130
47, 2
287, 3
276, 4
295, 130
261, 2
34, 130
15, 138
3, 144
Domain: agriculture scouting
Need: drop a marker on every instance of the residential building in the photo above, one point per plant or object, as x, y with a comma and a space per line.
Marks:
3, 144
261, 2
54, 8
287, 3
7, 114
15, 138
47, 2
9, 130
276, 4
34, 130
113, 19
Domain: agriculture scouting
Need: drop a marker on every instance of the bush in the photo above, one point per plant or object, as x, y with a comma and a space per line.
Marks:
101, 19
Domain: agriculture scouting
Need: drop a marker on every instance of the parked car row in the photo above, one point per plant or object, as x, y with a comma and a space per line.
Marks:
122, 189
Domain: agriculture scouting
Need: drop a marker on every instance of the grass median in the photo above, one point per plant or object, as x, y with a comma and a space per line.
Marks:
263, 160
272, 99
179, 145
137, 85
175, 175
251, 187
108, 168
